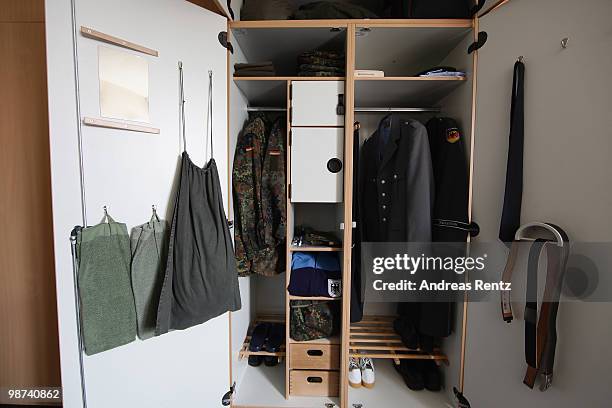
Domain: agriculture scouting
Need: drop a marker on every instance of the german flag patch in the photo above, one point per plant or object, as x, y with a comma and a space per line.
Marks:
452, 135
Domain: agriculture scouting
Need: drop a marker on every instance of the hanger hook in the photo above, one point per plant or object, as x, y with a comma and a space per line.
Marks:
105, 208
520, 59
564, 42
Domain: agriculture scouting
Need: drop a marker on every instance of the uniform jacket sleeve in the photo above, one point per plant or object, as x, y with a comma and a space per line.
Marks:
420, 187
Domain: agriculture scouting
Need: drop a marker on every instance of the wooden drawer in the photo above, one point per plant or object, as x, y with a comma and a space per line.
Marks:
314, 383
314, 356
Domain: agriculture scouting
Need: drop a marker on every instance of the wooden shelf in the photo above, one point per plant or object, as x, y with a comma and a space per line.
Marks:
314, 249
411, 78
291, 297
374, 337
288, 78
245, 352
338, 23
403, 91
328, 340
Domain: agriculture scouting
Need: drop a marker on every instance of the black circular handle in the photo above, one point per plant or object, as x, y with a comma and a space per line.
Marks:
334, 165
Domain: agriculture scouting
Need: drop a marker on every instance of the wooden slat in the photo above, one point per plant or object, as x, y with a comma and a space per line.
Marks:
375, 337
314, 248
111, 124
360, 341
100, 36
291, 297
401, 356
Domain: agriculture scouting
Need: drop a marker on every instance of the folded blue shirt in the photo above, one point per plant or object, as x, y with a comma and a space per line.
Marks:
326, 261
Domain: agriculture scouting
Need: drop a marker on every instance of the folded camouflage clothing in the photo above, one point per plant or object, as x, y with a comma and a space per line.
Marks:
311, 319
321, 63
325, 58
306, 236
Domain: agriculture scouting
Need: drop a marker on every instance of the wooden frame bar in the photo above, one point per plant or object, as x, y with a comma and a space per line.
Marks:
100, 36
111, 124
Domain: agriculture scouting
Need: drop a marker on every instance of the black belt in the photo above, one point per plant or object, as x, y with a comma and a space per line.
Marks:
540, 333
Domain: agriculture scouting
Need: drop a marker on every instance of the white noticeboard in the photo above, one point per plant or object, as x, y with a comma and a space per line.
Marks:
124, 85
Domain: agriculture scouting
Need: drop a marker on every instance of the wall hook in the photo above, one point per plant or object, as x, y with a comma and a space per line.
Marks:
521, 59
564, 42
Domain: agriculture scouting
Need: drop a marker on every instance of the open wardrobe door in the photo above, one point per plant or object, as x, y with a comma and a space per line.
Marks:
551, 48
103, 157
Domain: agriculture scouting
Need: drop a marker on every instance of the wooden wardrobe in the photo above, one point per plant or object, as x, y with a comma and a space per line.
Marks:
29, 351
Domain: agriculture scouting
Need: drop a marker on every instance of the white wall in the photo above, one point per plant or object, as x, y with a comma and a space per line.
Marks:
129, 172
568, 175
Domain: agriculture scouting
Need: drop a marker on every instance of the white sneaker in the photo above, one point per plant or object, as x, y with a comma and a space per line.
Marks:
354, 374
368, 377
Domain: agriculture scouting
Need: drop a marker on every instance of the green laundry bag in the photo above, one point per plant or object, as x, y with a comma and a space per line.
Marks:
108, 318
149, 254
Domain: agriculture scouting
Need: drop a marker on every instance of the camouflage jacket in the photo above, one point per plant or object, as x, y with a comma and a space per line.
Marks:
258, 179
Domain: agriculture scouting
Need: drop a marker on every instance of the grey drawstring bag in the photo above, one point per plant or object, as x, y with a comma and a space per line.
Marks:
107, 304
149, 249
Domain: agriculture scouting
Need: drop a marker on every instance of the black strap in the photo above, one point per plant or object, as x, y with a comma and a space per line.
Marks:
511, 214
531, 303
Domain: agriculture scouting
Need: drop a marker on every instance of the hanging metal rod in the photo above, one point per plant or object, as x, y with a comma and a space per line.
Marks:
390, 109
265, 109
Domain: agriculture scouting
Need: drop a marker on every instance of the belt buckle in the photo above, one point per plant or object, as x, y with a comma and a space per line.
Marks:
546, 383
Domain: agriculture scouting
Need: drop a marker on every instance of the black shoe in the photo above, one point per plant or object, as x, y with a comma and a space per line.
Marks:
431, 374
412, 374
407, 333
270, 361
255, 361
276, 337
426, 343
259, 336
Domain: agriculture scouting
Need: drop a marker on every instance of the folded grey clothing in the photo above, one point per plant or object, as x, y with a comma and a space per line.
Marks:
323, 68
254, 73
266, 65
149, 251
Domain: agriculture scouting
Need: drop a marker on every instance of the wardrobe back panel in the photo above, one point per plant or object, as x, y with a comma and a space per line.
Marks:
404, 51
129, 172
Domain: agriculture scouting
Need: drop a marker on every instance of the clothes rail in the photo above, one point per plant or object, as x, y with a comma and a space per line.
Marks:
390, 109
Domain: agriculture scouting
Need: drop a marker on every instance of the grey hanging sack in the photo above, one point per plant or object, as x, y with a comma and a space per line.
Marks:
149, 250
107, 303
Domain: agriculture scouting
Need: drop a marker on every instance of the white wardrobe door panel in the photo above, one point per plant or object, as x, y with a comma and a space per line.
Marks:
311, 150
314, 103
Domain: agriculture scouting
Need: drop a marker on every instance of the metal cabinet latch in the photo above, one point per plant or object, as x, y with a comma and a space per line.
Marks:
227, 398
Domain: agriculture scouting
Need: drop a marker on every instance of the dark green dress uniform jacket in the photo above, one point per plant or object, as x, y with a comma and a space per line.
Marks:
259, 188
